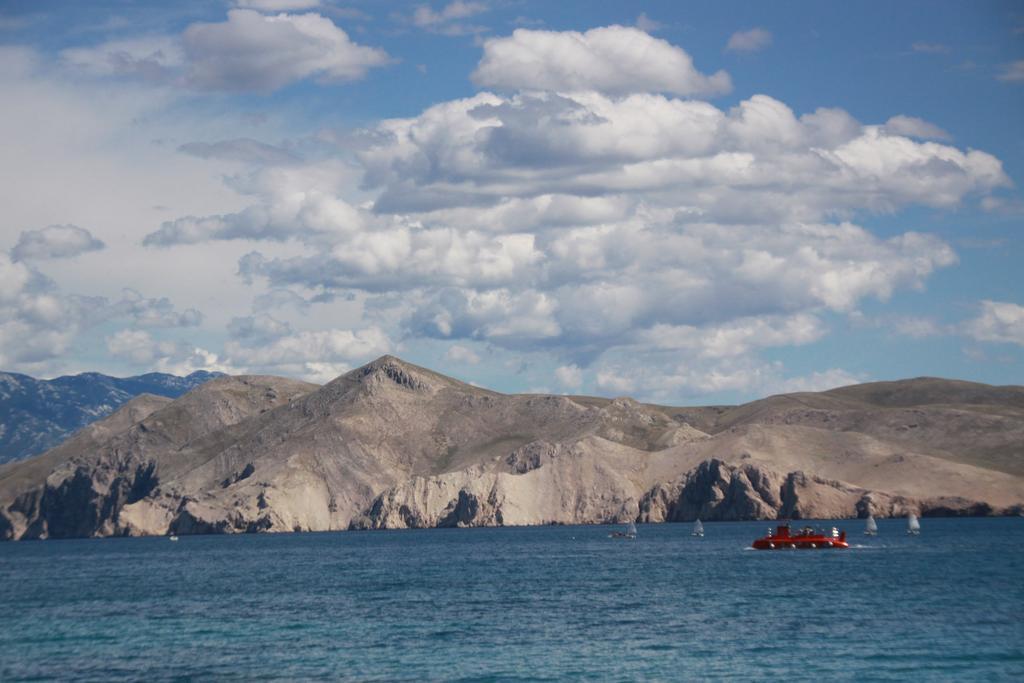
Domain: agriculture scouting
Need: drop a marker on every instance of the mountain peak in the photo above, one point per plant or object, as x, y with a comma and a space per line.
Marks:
390, 369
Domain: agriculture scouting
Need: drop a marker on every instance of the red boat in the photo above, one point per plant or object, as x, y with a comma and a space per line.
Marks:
804, 539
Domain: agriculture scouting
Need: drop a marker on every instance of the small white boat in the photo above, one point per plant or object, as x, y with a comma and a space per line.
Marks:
913, 525
698, 529
871, 527
173, 537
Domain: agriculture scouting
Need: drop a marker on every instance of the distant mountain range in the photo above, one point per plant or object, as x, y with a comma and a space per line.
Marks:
393, 445
37, 414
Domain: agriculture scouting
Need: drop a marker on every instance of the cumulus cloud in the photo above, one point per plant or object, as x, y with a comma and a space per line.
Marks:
54, 241
39, 323
647, 242
614, 59
569, 376
249, 52
998, 321
255, 52
751, 40
581, 223
736, 337
311, 354
298, 202
36, 323
756, 161
913, 127
141, 349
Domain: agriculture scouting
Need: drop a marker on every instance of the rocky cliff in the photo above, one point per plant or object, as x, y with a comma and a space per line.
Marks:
392, 445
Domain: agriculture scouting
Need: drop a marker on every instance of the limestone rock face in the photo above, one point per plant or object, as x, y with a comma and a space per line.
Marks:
715, 491
392, 445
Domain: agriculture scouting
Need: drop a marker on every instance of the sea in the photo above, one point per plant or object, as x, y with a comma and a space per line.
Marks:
557, 603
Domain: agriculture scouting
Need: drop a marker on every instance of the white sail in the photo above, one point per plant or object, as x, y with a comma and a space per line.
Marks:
698, 528
913, 526
871, 526
631, 530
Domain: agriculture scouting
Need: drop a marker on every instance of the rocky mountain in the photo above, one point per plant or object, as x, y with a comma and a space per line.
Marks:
37, 414
393, 445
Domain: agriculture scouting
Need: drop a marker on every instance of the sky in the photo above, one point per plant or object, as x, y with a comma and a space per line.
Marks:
688, 203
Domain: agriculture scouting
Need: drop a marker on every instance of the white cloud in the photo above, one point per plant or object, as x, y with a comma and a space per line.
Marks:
913, 127
460, 354
447, 20
758, 161
999, 321
36, 324
54, 241
1012, 72
737, 337
255, 52
504, 316
646, 242
584, 226
139, 348
646, 24
154, 58
298, 202
609, 381
569, 376
749, 41
39, 323
614, 59
249, 52
317, 355
693, 380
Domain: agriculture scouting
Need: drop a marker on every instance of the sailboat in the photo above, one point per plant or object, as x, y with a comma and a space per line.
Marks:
698, 529
913, 526
630, 532
871, 527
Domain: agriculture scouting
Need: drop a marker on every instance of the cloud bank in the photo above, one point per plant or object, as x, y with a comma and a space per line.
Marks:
614, 60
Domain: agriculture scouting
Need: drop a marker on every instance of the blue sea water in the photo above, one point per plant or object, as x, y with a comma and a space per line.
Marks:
516, 604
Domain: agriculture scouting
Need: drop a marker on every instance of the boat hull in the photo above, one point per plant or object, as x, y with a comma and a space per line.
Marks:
822, 543
781, 539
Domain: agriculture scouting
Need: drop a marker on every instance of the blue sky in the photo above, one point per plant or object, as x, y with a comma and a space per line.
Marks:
684, 202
